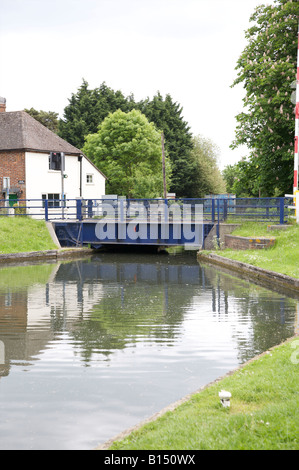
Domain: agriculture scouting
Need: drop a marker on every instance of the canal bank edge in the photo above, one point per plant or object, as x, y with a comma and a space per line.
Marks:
173, 406
252, 271
44, 255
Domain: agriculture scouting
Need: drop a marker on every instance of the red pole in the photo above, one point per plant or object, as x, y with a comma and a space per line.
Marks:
296, 157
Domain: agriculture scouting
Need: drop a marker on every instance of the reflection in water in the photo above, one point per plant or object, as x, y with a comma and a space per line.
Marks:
93, 346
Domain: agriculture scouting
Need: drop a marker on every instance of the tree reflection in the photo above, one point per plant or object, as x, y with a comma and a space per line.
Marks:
113, 301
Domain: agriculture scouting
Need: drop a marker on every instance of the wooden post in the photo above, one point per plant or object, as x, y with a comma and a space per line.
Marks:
163, 166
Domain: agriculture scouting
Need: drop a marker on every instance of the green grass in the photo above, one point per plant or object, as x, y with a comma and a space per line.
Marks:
282, 258
21, 234
264, 411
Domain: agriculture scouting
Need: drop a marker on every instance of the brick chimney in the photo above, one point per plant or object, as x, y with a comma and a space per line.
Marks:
2, 105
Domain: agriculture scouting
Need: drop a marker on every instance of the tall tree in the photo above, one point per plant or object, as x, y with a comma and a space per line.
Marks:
167, 116
207, 178
87, 109
267, 69
127, 148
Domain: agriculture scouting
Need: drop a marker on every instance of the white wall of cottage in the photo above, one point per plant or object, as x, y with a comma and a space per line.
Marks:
40, 180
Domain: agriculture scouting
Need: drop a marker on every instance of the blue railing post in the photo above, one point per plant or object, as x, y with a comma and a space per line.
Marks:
281, 211
213, 210
79, 209
218, 222
46, 210
224, 209
89, 208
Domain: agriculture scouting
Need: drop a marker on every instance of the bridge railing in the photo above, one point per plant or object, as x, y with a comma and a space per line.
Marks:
276, 209
212, 209
47, 209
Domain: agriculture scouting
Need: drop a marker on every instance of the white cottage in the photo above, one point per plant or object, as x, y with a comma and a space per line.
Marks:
26, 171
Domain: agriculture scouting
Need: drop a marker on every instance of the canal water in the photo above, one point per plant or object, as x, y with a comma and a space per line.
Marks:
91, 347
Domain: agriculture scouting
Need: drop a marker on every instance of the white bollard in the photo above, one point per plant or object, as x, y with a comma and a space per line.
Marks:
225, 398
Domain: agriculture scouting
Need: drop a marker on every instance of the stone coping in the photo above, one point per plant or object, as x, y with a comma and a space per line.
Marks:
44, 255
254, 271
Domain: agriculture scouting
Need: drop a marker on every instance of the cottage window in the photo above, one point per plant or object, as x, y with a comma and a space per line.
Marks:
53, 199
56, 161
89, 179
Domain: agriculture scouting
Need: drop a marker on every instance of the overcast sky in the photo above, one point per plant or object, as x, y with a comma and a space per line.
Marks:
187, 48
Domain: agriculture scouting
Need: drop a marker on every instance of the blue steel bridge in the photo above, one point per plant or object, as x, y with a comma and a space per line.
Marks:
135, 222
162, 222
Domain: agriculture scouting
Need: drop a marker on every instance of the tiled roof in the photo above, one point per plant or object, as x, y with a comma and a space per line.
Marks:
20, 131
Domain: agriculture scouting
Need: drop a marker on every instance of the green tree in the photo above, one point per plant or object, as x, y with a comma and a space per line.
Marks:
242, 178
127, 148
48, 119
267, 68
207, 178
167, 116
87, 109
229, 174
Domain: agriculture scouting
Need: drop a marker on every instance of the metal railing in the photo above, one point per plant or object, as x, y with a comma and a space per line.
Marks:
276, 210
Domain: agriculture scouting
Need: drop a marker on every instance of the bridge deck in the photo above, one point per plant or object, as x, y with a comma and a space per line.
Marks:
96, 233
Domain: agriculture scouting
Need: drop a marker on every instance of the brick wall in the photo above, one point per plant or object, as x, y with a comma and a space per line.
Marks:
224, 229
12, 164
248, 243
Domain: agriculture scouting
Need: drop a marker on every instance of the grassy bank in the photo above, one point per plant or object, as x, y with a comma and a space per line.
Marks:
264, 412
22, 234
282, 258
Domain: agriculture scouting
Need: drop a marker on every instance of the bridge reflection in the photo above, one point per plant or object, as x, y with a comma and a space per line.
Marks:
153, 269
